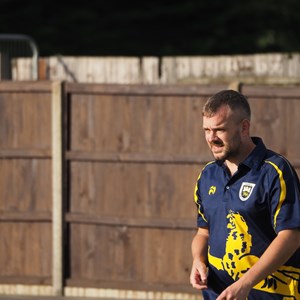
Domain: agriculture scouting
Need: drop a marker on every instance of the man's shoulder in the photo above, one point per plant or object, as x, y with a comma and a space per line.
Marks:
276, 158
212, 165
278, 163
209, 169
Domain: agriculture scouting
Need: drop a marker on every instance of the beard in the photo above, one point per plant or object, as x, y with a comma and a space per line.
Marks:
226, 151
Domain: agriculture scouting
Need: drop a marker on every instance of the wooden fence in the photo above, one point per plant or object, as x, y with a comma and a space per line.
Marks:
96, 191
280, 68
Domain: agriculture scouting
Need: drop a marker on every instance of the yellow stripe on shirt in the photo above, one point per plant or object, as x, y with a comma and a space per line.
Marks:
195, 193
282, 191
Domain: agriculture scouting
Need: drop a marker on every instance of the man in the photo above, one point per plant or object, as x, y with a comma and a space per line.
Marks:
248, 238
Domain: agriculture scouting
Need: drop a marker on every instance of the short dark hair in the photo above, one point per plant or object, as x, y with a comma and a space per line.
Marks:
235, 100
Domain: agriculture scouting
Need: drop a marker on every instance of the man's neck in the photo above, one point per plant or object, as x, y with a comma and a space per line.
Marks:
233, 165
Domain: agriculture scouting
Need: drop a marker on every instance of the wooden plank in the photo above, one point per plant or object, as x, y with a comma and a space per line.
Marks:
57, 188
271, 92
118, 70
19, 280
157, 291
259, 68
25, 86
136, 89
162, 223
144, 158
134, 157
25, 153
26, 217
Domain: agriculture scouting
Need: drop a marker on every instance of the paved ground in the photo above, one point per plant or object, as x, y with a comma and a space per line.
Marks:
55, 298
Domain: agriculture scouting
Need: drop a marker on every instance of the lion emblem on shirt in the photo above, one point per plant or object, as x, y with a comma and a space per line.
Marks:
238, 259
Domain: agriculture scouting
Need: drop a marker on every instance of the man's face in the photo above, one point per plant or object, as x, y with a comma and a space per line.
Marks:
223, 134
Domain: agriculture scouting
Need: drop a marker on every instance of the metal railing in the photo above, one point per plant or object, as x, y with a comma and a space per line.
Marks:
14, 46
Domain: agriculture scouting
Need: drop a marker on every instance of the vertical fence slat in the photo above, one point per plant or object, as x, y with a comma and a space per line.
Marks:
57, 263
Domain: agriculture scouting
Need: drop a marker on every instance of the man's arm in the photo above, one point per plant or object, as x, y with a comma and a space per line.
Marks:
279, 251
198, 277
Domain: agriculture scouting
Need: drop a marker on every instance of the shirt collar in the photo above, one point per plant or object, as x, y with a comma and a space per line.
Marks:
254, 159
257, 155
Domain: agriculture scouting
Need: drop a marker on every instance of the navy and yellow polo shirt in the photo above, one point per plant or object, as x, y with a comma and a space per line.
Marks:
244, 213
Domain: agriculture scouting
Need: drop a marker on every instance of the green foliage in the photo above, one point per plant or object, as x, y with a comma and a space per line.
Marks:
159, 28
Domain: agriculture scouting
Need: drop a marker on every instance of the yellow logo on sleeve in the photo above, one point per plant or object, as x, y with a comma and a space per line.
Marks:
212, 190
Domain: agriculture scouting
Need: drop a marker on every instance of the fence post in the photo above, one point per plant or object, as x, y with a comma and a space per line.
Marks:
57, 189
236, 86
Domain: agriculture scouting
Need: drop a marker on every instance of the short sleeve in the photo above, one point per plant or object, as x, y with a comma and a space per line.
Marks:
284, 196
201, 220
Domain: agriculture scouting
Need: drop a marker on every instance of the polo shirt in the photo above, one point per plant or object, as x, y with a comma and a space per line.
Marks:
244, 213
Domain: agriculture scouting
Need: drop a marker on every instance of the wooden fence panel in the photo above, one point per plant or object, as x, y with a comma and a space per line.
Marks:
134, 155
131, 190
25, 183
136, 124
276, 119
25, 252
126, 257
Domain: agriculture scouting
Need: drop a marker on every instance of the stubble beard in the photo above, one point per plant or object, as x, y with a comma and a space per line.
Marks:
222, 155
227, 152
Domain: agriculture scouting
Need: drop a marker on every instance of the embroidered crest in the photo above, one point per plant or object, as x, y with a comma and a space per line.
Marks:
246, 190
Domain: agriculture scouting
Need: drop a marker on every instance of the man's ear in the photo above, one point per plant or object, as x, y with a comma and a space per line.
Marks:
245, 127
